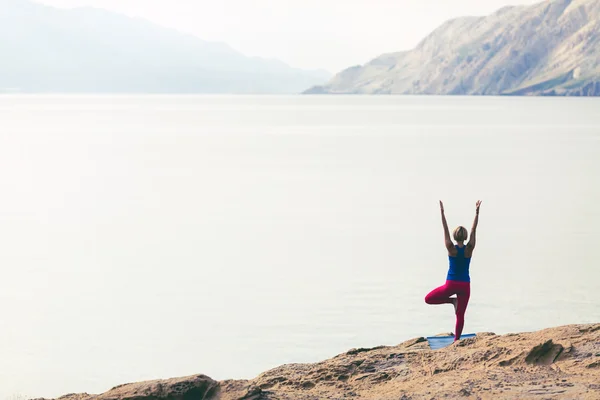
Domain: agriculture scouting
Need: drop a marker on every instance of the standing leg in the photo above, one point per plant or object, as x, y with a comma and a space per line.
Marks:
440, 295
461, 307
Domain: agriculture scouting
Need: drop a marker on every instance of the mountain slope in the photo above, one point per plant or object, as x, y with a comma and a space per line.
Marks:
47, 49
549, 48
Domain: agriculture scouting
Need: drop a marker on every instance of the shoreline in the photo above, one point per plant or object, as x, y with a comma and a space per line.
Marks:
554, 363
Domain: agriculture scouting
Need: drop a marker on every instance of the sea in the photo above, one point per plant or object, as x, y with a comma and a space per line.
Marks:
147, 237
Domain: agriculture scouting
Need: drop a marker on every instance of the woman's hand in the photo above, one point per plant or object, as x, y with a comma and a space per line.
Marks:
476, 206
442, 206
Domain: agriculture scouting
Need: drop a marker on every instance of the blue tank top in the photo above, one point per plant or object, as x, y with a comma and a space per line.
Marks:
459, 266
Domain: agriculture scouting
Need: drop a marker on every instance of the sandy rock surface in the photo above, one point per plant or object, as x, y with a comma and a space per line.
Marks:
555, 363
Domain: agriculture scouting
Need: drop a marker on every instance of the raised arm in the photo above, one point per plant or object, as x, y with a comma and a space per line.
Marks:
447, 240
472, 239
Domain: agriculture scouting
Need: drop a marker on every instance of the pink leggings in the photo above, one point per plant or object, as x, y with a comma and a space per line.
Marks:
441, 295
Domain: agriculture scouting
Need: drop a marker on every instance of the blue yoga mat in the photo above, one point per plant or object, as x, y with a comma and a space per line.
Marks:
439, 342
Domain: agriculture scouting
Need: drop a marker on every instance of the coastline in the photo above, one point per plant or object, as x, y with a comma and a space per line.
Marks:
555, 363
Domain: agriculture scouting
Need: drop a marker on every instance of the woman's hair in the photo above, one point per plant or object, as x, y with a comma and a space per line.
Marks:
460, 234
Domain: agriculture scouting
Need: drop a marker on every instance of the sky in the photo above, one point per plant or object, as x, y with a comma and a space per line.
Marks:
309, 34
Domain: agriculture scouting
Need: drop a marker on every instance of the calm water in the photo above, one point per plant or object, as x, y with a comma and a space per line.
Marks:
152, 237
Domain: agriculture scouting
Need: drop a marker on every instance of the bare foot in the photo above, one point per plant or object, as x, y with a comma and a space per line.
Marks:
455, 303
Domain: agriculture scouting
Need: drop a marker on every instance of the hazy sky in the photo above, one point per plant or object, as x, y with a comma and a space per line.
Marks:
330, 34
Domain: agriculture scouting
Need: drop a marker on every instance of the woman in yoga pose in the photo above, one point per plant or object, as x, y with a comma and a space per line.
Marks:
458, 281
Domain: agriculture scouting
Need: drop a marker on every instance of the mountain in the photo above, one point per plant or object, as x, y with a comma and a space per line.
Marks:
550, 48
47, 49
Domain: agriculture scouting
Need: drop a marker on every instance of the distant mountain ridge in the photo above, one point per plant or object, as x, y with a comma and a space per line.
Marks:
47, 49
550, 48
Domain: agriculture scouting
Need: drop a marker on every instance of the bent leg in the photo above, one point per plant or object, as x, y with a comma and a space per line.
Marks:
440, 295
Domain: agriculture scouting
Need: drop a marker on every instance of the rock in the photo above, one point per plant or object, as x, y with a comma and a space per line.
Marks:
413, 342
544, 354
362, 350
519, 365
192, 387
187, 388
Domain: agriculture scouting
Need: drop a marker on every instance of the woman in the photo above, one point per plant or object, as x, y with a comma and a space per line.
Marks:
458, 281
